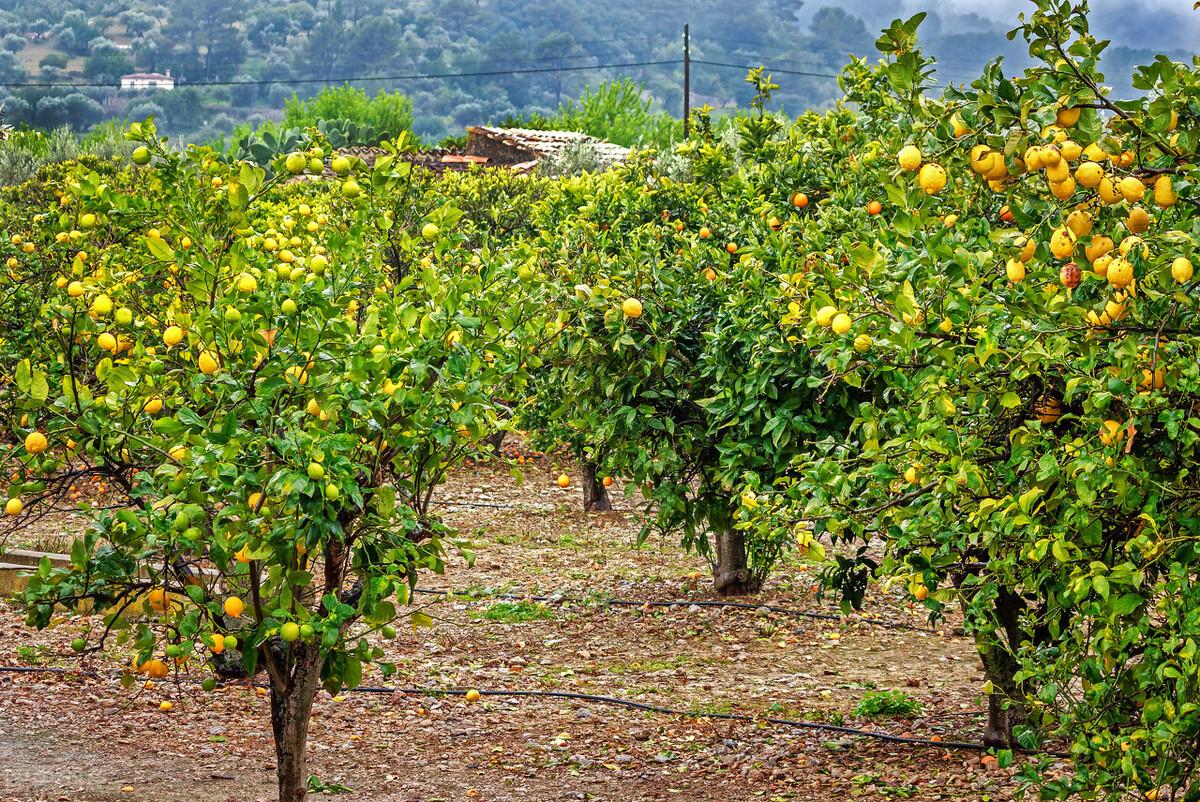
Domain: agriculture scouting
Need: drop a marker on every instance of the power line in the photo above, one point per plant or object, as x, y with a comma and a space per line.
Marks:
754, 67
358, 79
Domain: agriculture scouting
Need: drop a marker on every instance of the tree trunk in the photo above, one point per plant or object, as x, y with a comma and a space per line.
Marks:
291, 708
731, 574
1006, 703
595, 494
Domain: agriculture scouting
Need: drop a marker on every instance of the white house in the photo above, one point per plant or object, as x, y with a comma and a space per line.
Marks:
148, 80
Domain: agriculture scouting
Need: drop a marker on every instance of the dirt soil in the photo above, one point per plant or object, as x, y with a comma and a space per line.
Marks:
70, 737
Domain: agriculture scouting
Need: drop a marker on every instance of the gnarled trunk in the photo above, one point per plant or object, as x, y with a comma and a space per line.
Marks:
1006, 703
731, 572
595, 494
291, 709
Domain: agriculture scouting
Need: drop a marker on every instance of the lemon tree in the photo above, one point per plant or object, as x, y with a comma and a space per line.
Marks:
275, 377
1022, 314
668, 366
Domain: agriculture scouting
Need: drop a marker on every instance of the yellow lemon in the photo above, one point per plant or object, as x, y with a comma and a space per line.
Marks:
208, 363
632, 307
932, 179
1062, 242
1097, 247
1164, 192
1109, 432
172, 336
1108, 192
1132, 188
1089, 174
1015, 270
1138, 220
1068, 116
909, 157
1080, 223
825, 315
1181, 269
841, 323
1120, 273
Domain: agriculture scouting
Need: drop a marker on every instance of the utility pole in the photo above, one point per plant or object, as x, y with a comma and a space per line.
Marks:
687, 82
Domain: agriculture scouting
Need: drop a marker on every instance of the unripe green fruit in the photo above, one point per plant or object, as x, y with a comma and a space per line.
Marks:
295, 163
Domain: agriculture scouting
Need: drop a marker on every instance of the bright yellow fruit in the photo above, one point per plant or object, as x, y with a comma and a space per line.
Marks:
825, 315
14, 506
632, 307
932, 179
35, 443
1015, 270
862, 343
1164, 192
909, 157
1089, 174
1138, 220
172, 336
1109, 432
1058, 172
1120, 273
1108, 191
1080, 223
1067, 117
1181, 269
1132, 188
234, 607
1063, 189
841, 323
1097, 247
1129, 243
208, 363
1062, 242
106, 342
247, 283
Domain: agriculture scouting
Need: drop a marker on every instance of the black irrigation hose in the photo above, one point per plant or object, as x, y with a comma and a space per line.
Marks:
48, 670
632, 705
681, 603
625, 703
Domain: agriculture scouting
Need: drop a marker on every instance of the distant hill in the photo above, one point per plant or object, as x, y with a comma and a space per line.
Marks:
487, 60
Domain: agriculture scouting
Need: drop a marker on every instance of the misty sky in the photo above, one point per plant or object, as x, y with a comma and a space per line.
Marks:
1152, 24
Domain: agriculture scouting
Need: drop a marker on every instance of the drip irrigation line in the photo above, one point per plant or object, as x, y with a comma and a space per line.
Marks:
682, 603
48, 670
670, 711
628, 704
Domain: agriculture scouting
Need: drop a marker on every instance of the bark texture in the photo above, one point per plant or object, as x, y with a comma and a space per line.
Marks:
291, 708
731, 573
595, 494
